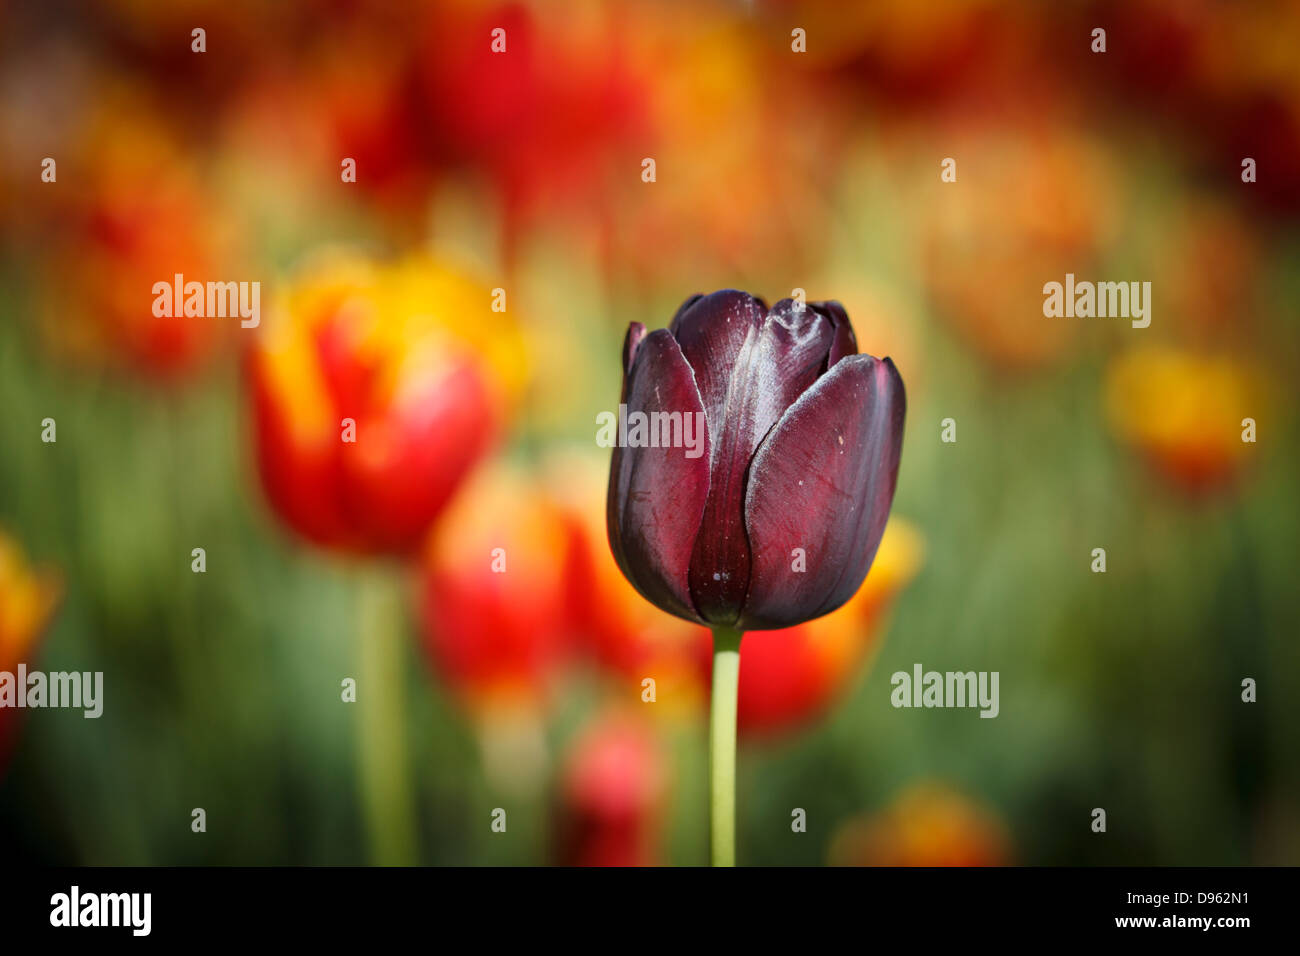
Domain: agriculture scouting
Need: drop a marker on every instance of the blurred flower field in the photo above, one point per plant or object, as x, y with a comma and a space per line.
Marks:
463, 303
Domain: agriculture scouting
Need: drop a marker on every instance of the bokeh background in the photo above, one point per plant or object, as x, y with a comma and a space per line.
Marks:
522, 171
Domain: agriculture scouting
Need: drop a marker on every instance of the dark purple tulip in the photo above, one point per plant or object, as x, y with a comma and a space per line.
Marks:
803, 441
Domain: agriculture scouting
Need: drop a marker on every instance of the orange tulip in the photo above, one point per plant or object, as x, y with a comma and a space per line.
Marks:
1044, 204
27, 600
375, 389
1186, 413
927, 825
129, 211
708, 171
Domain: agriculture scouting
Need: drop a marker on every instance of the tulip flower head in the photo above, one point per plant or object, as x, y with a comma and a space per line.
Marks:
375, 390
778, 521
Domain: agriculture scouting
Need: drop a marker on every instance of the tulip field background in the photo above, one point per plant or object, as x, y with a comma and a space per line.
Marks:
523, 171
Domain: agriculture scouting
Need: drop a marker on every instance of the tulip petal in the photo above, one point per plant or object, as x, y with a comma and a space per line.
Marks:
823, 481
711, 330
631, 342
845, 343
685, 306
774, 363
657, 495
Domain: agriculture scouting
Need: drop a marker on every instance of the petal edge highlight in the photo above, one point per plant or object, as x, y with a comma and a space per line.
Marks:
657, 495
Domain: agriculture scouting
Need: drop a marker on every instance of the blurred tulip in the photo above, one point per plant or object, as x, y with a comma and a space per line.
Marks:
1227, 75
707, 170
495, 618
927, 825
363, 91
1029, 205
545, 117
131, 213
27, 600
375, 389
494, 594
628, 638
1186, 412
801, 459
613, 789
1253, 81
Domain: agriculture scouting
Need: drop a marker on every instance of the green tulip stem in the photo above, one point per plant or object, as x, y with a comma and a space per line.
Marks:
722, 745
381, 709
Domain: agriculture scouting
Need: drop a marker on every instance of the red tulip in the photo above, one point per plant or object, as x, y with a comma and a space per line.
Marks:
362, 90
546, 117
375, 390
614, 785
494, 609
495, 618
778, 519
